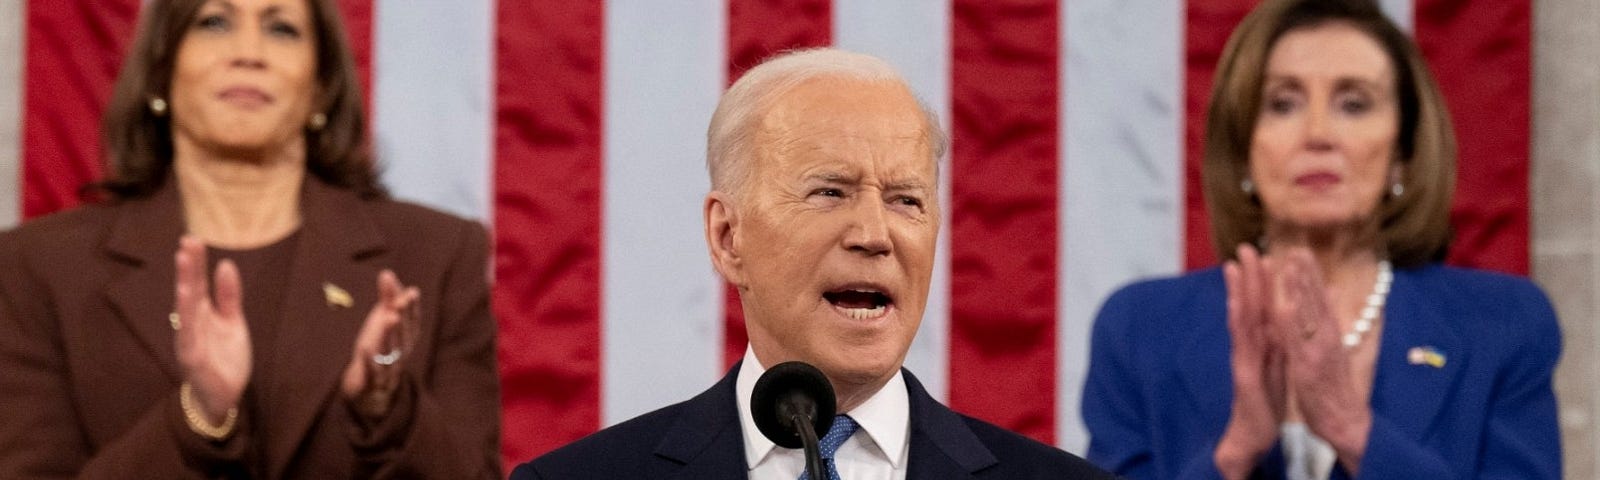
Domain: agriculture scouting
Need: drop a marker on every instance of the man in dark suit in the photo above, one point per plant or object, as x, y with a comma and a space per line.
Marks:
824, 213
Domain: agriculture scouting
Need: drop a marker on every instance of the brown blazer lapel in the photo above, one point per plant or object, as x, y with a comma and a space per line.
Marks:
340, 245
145, 235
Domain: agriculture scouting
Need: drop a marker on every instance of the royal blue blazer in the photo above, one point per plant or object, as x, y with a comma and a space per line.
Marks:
1160, 387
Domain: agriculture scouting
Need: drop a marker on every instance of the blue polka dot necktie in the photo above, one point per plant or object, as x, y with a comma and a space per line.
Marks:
843, 427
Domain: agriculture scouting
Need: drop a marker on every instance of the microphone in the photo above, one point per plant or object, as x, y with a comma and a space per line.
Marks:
793, 404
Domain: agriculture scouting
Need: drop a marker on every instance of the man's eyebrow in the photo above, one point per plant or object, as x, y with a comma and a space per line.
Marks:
906, 185
830, 177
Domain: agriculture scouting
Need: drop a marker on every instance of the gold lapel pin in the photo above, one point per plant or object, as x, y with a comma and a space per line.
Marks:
1425, 356
336, 297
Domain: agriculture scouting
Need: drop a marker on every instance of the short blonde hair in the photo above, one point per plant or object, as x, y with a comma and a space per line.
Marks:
739, 111
1414, 227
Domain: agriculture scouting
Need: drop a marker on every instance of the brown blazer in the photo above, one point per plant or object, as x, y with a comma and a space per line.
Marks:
89, 376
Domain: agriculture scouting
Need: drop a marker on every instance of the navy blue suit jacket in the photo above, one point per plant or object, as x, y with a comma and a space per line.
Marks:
701, 439
1159, 387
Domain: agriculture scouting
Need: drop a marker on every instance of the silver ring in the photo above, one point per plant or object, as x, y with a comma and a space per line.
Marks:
386, 359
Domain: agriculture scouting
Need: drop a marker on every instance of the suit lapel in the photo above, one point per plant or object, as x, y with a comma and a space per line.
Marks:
706, 437
341, 248
145, 236
942, 447
1411, 393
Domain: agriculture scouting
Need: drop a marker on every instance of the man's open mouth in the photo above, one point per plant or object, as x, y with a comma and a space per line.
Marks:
859, 303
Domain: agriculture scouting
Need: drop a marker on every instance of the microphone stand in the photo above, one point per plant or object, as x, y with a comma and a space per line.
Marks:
808, 438
791, 404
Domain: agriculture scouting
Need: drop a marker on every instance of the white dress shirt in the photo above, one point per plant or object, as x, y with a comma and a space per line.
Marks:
1308, 457
877, 451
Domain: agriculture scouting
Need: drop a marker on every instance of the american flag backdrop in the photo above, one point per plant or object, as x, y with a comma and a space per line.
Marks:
575, 129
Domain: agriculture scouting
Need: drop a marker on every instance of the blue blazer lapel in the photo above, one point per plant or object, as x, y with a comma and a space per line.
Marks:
942, 447
1412, 393
706, 438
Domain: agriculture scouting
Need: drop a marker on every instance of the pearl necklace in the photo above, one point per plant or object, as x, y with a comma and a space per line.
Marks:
1375, 301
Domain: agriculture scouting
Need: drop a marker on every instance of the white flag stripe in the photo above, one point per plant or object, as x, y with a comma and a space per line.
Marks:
1121, 172
662, 301
1401, 12
881, 27
11, 62
1121, 199
432, 102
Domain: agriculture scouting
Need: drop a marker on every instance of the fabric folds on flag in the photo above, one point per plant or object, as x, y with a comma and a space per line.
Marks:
575, 130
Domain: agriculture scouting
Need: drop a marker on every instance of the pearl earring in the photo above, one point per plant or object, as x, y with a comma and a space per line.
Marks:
318, 120
1247, 186
158, 106
1397, 189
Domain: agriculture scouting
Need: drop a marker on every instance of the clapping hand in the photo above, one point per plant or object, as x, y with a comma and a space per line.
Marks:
1324, 388
377, 359
1258, 366
212, 338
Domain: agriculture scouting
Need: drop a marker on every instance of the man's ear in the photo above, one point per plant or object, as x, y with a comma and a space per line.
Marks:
722, 237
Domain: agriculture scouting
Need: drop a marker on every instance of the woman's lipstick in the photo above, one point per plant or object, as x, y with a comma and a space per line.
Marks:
1317, 180
246, 97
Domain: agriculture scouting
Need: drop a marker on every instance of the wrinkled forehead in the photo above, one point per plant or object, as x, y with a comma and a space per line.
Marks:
847, 117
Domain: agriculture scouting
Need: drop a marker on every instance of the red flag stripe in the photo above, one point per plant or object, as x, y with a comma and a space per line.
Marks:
758, 29
358, 30
548, 84
1491, 116
1209, 24
74, 50
548, 175
1004, 89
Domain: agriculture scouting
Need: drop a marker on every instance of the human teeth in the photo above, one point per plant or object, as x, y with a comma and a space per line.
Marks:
864, 313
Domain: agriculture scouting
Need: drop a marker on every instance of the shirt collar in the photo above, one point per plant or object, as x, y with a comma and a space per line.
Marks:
885, 417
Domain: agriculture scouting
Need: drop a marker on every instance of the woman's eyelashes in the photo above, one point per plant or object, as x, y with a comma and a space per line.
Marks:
219, 23
284, 30
1351, 101
215, 22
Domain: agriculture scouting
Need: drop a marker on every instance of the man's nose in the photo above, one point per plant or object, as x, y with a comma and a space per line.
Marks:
869, 227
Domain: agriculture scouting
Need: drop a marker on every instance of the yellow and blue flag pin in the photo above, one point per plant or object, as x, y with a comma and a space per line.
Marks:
1425, 355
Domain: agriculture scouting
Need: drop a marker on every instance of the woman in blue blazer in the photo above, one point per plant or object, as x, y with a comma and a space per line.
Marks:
1331, 344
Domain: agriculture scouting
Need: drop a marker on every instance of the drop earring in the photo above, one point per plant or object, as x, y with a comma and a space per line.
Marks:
1397, 189
158, 106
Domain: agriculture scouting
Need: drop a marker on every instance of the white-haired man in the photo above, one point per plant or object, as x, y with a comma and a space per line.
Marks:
823, 213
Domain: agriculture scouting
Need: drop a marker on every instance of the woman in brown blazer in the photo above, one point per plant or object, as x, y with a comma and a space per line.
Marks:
244, 300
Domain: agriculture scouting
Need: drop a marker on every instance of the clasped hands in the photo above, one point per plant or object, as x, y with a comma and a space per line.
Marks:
1285, 354
214, 349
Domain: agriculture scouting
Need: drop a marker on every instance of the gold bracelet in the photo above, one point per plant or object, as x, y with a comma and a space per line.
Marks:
197, 421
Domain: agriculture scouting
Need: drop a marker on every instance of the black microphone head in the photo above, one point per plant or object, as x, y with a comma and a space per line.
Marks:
787, 389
